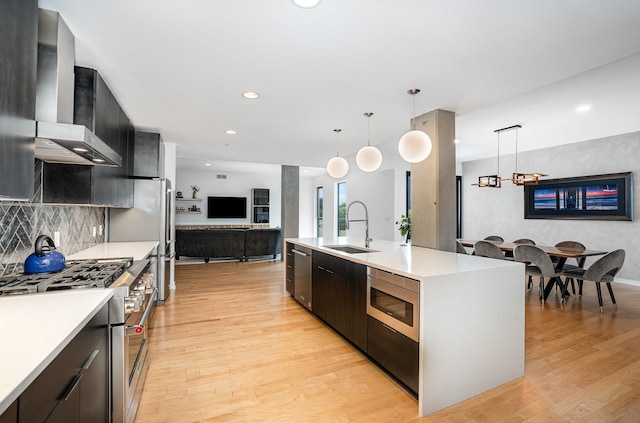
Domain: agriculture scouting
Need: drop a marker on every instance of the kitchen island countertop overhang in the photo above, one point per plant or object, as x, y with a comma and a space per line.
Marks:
471, 325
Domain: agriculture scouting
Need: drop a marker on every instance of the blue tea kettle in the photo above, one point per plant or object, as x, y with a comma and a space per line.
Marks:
45, 258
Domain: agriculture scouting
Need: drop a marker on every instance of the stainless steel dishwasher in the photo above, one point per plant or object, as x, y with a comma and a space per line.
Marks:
302, 272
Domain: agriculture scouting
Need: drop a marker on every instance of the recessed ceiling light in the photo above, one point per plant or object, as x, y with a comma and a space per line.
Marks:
306, 4
251, 94
80, 149
230, 132
98, 160
456, 141
583, 108
207, 164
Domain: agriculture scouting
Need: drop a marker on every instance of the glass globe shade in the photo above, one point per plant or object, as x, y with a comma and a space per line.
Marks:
337, 167
414, 146
306, 4
369, 158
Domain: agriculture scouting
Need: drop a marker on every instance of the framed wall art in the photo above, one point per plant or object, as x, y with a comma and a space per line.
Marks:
598, 197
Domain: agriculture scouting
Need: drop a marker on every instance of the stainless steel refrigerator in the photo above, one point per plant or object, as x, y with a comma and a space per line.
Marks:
150, 219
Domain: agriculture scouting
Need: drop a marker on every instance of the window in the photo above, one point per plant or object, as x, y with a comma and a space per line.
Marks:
319, 213
342, 208
458, 206
408, 179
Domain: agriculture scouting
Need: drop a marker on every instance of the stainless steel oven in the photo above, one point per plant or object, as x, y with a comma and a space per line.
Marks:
395, 301
129, 342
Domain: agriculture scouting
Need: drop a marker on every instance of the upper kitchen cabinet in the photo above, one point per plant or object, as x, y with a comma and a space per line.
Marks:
18, 65
148, 155
95, 107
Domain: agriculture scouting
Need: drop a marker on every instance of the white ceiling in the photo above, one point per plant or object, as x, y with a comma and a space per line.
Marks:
179, 67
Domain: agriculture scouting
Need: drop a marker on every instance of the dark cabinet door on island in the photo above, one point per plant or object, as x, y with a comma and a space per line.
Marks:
329, 293
74, 387
290, 270
356, 304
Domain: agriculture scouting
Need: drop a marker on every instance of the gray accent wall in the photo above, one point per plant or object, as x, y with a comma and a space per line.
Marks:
490, 211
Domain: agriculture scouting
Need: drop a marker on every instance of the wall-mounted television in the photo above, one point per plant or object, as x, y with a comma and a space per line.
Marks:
226, 207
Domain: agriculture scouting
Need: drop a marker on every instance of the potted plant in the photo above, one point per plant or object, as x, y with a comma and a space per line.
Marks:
195, 189
405, 227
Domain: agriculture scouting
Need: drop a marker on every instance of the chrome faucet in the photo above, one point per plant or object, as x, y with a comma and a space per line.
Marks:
365, 220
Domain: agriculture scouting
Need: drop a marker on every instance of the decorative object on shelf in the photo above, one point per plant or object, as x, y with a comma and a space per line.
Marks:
179, 194
517, 178
414, 146
369, 158
195, 189
598, 197
337, 167
405, 227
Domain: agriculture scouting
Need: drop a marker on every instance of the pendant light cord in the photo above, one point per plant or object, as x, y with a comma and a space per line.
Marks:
368, 115
337, 131
413, 93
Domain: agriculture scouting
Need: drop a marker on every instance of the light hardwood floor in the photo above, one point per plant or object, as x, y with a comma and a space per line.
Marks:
231, 346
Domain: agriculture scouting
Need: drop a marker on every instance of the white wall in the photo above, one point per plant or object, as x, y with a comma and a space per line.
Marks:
237, 184
307, 208
382, 192
490, 211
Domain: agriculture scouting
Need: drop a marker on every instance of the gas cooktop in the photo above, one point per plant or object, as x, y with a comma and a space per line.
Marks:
78, 274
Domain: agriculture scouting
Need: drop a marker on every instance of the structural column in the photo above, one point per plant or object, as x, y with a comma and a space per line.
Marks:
433, 185
290, 206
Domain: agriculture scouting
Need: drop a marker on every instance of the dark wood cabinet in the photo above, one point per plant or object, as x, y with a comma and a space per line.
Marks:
148, 155
329, 290
11, 414
74, 387
356, 304
290, 269
18, 66
396, 353
340, 296
95, 107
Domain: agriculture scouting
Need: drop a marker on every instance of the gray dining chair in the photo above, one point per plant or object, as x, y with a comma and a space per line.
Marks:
602, 270
460, 248
494, 238
575, 245
538, 263
488, 249
509, 254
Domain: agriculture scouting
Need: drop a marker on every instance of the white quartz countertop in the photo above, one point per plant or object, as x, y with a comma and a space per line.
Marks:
405, 260
35, 329
138, 250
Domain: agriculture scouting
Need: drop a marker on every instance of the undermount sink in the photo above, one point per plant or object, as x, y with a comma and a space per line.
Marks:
349, 249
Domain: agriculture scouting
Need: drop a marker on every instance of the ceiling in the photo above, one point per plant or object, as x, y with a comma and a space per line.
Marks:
179, 68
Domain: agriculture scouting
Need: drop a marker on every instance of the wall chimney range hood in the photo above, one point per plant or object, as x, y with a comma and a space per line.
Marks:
58, 140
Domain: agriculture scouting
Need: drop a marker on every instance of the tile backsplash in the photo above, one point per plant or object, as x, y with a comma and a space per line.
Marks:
22, 222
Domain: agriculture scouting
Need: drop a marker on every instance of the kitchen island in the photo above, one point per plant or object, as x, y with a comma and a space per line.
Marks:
471, 315
35, 329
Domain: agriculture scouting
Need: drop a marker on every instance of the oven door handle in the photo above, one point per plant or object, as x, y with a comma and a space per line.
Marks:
139, 328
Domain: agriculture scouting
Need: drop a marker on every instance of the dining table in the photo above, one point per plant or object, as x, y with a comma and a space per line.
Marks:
560, 253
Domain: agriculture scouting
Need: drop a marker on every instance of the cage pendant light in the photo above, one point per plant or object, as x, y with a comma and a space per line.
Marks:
337, 167
414, 146
369, 158
492, 181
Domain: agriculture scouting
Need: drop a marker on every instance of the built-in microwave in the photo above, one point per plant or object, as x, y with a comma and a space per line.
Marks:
395, 301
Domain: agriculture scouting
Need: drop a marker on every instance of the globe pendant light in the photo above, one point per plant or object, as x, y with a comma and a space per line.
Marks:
414, 146
369, 158
337, 167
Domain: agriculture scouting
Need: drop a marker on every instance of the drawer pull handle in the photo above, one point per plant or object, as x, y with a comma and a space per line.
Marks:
72, 387
90, 359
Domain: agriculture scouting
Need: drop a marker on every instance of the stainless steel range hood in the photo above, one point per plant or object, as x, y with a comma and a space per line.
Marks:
58, 140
